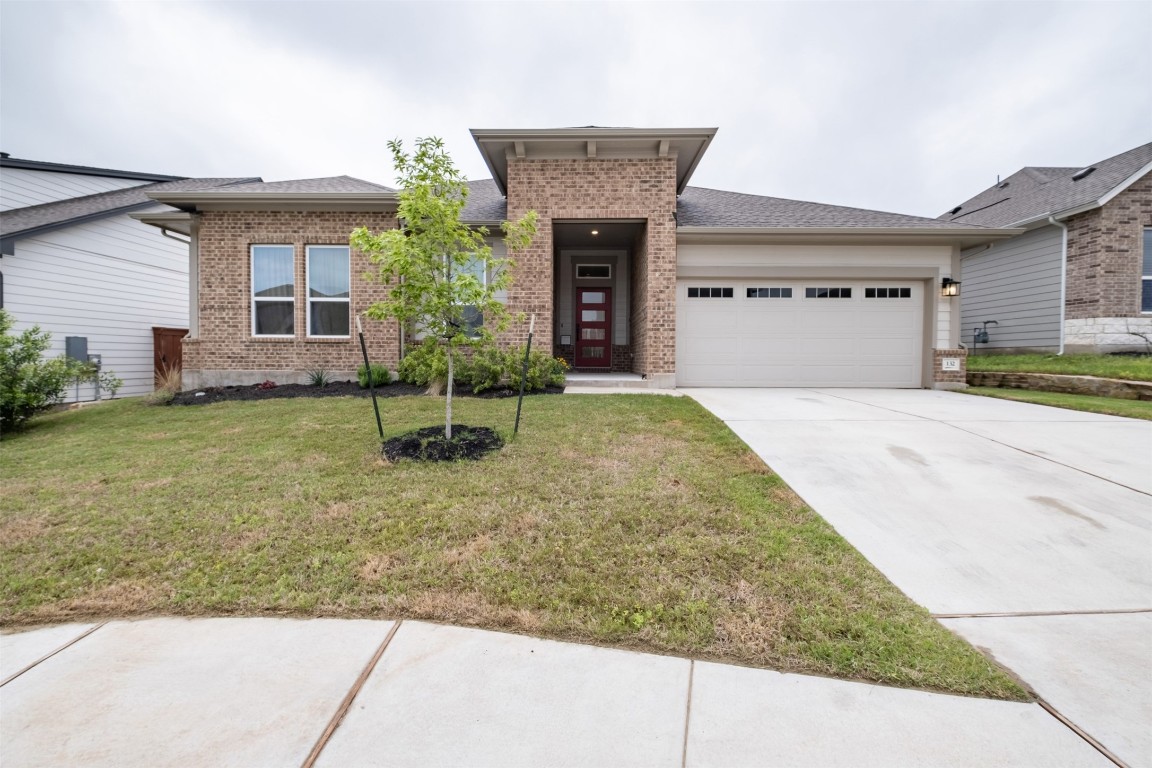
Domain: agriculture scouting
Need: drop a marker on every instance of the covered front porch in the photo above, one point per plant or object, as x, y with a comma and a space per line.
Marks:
594, 294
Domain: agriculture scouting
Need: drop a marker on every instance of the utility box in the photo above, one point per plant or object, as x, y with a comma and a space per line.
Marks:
76, 348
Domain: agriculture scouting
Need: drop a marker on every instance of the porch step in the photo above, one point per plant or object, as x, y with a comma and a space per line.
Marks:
618, 381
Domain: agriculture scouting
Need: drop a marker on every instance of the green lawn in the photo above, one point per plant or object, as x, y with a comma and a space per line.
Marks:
1106, 366
1134, 409
634, 521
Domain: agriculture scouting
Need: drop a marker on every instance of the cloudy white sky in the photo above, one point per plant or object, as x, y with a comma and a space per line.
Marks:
900, 106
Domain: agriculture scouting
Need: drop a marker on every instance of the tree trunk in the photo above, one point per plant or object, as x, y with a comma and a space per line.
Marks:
448, 409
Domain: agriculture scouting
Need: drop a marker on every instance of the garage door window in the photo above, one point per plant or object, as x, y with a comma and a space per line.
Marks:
769, 293
709, 293
887, 293
827, 293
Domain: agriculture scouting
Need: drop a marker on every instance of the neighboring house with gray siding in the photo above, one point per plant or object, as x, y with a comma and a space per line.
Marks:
1079, 279
73, 262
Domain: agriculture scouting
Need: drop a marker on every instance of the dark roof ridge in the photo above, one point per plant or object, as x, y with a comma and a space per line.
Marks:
84, 170
925, 219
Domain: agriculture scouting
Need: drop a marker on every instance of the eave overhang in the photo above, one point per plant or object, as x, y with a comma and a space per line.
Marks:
964, 238
173, 221
279, 201
685, 145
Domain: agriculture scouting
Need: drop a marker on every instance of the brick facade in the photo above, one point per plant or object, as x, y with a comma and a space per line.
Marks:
1105, 249
942, 379
225, 350
601, 189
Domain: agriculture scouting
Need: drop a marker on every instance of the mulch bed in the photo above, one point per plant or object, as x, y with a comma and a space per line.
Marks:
428, 444
335, 389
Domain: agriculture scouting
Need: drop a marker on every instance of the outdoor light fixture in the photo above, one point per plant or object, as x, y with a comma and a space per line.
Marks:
595, 231
949, 287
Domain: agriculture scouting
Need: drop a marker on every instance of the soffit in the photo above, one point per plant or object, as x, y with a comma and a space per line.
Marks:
685, 145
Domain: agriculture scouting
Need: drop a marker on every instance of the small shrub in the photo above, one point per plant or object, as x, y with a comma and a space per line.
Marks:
266, 384
426, 365
543, 370
31, 383
168, 383
171, 379
380, 375
488, 369
318, 377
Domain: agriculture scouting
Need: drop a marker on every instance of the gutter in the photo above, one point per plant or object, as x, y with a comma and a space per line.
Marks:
1063, 275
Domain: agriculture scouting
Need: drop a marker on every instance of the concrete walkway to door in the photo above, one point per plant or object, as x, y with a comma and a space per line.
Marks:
1025, 529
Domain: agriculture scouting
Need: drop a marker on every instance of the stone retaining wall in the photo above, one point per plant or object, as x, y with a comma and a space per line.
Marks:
1071, 385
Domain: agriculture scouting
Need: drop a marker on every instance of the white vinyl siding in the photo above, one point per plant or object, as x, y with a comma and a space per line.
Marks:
110, 280
21, 187
825, 334
1017, 284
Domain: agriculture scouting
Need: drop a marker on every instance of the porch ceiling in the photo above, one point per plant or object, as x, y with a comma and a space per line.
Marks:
612, 235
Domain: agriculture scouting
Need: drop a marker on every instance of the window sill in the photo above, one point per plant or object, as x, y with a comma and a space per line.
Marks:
327, 339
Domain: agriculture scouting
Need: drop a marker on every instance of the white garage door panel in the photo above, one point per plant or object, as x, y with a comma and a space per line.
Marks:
799, 341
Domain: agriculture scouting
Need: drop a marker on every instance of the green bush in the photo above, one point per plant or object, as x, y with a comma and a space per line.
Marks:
320, 377
31, 383
488, 368
380, 375
426, 365
543, 370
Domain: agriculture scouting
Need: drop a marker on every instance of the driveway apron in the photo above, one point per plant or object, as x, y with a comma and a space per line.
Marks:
1025, 529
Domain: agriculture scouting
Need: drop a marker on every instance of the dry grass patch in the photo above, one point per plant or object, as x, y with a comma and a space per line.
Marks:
636, 522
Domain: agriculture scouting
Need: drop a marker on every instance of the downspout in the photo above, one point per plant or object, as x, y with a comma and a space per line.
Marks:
1063, 275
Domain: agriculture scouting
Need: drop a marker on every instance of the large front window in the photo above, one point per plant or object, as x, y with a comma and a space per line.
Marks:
328, 290
1146, 274
273, 290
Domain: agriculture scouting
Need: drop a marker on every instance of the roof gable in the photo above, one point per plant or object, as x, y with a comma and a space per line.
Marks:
1034, 193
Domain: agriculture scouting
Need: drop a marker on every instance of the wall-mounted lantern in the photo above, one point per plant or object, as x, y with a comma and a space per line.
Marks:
949, 287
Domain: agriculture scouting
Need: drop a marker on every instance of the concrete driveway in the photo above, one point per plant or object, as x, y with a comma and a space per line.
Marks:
1025, 529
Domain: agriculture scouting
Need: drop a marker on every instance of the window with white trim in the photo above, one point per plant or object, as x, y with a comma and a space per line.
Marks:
1146, 274
273, 290
473, 318
329, 290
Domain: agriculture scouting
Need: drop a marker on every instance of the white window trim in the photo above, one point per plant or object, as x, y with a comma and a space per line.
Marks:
1143, 277
252, 290
309, 299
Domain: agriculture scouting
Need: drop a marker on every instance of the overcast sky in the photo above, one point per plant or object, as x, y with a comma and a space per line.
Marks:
901, 106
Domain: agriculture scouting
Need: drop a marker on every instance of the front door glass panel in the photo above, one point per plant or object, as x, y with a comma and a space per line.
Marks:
593, 328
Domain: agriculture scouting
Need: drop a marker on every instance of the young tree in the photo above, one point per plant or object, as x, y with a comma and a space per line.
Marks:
441, 273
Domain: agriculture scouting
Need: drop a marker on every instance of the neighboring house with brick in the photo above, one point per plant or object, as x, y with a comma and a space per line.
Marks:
74, 262
1079, 277
630, 270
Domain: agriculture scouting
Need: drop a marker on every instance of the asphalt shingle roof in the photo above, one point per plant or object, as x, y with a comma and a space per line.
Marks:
17, 220
701, 207
1032, 192
326, 184
485, 203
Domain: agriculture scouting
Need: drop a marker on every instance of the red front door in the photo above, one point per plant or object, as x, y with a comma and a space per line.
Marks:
593, 327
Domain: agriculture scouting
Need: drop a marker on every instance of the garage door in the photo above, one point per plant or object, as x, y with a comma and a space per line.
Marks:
823, 333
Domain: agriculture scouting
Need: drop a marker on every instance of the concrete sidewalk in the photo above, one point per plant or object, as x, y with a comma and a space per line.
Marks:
267, 692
